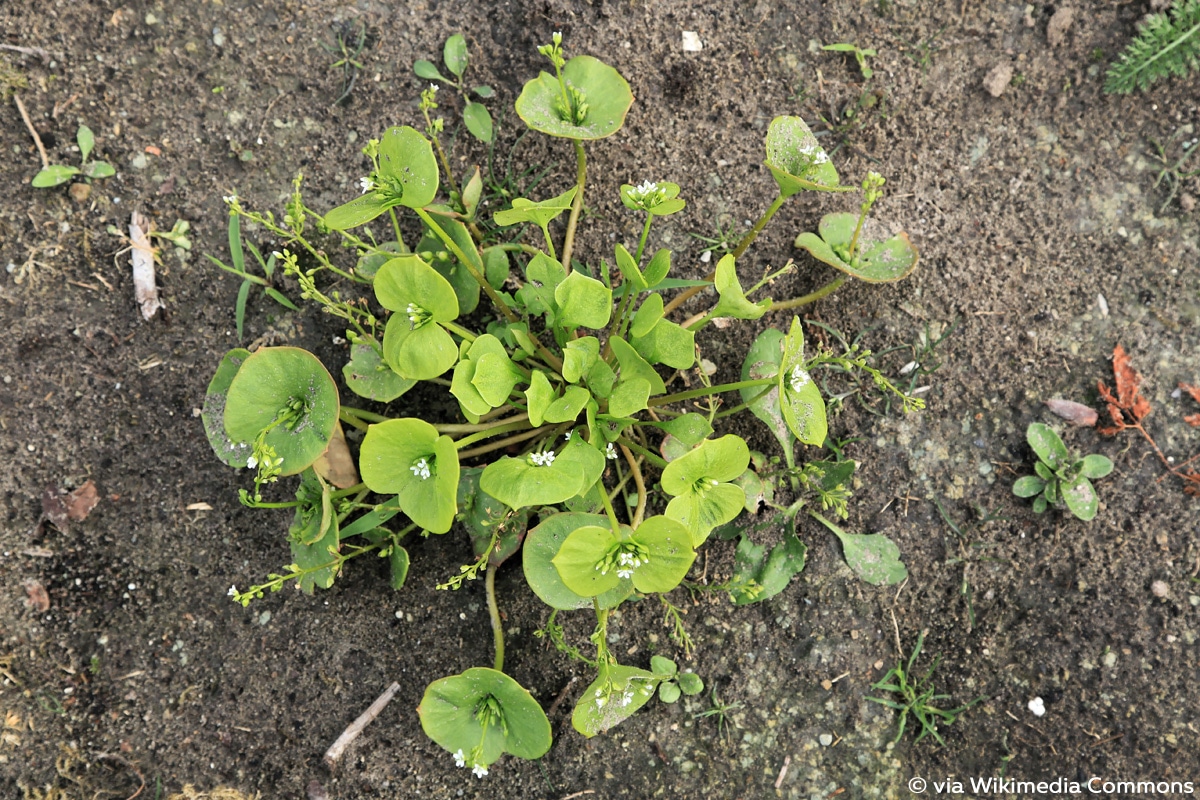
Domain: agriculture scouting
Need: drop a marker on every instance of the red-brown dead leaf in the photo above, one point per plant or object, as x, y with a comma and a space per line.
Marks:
1193, 420
1193, 391
1126, 378
80, 502
1074, 413
37, 599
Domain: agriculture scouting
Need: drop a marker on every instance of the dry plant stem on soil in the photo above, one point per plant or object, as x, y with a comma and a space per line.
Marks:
37, 140
334, 753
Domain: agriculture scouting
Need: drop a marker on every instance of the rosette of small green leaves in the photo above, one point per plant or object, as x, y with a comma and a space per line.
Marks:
58, 174
699, 483
655, 557
482, 714
484, 377
1060, 477
281, 408
673, 682
659, 199
801, 403
415, 345
585, 99
405, 174
410, 459
797, 161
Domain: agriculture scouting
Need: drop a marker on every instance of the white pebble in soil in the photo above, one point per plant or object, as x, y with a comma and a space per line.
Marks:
1038, 707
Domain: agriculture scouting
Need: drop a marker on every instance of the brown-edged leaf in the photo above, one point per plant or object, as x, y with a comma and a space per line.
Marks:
81, 502
37, 599
1074, 413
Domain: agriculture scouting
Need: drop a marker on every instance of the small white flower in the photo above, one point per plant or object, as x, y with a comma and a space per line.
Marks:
480, 770
232, 591
433, 87
799, 378
420, 468
567, 436
415, 313
716, 483
230, 198
251, 462
627, 698
624, 573
367, 184
542, 459
610, 452
600, 701
459, 759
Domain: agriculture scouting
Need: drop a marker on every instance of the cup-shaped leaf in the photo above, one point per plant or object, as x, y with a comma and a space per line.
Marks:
875, 260
407, 167
669, 548
368, 376
288, 391
410, 459
546, 478
539, 213
1080, 497
733, 302
613, 697
1046, 442
583, 302
543, 543
580, 561
600, 87
414, 344
482, 714
797, 161
700, 483
656, 557
802, 405
660, 199
213, 414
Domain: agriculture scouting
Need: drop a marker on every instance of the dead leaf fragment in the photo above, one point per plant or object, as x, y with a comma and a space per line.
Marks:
141, 254
1074, 413
54, 508
80, 502
37, 599
1128, 400
199, 507
336, 465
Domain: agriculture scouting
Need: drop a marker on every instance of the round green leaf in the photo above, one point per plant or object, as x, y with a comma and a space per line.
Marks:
613, 697
367, 376
1096, 466
578, 561
542, 545
283, 383
450, 716
517, 482
1081, 498
669, 692
418, 353
408, 281
478, 121
408, 458
567, 407
1046, 442
661, 665
213, 413
690, 683
406, 159
583, 302
876, 260
1028, 486
605, 92
717, 460
670, 555
796, 160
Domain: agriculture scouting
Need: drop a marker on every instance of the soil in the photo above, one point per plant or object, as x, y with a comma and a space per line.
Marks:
1046, 237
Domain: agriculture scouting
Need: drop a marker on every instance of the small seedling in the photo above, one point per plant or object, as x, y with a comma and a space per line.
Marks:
860, 55
1174, 172
349, 40
1166, 44
237, 256
674, 683
721, 712
1061, 478
454, 56
58, 174
914, 694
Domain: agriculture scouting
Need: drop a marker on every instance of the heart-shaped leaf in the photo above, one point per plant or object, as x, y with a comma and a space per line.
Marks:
540, 213
875, 260
410, 459
733, 302
213, 414
481, 714
545, 478
700, 483
873, 557
583, 302
414, 344
367, 376
286, 392
797, 161
656, 557
634, 366
605, 95
542, 545
613, 697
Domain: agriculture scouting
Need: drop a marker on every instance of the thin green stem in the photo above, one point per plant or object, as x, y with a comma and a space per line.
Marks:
638, 481
513, 247
492, 294
482, 426
489, 583
363, 414
813, 297
507, 427
501, 444
637, 448
743, 406
349, 490
396, 229
612, 514
459, 331
704, 391
576, 206
642, 242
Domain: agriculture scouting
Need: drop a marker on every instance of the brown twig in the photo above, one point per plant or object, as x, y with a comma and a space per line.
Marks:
28, 51
351, 733
32, 132
561, 696
787, 762
125, 763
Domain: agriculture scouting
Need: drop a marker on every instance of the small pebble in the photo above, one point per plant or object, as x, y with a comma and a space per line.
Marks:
998, 78
1038, 707
825, 739
1160, 589
691, 42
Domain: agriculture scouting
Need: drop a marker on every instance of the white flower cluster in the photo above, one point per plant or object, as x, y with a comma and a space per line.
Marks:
420, 468
366, 184
627, 563
626, 698
232, 591
267, 461
416, 314
799, 378
610, 452
542, 459
479, 770
639, 194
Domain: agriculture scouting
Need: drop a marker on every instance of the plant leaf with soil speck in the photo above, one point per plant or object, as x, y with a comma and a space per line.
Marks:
613, 697
873, 557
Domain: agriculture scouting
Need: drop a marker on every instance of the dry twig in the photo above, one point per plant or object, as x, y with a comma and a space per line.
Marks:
32, 131
351, 733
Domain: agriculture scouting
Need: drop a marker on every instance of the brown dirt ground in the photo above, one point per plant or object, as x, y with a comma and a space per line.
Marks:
1026, 208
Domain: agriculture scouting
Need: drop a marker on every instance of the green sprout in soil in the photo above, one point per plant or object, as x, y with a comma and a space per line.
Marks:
860, 55
58, 174
721, 713
238, 257
914, 694
1174, 171
349, 40
568, 449
454, 55
1166, 44
1061, 479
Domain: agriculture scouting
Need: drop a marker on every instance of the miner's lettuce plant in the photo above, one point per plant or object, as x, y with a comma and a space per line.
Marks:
572, 449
